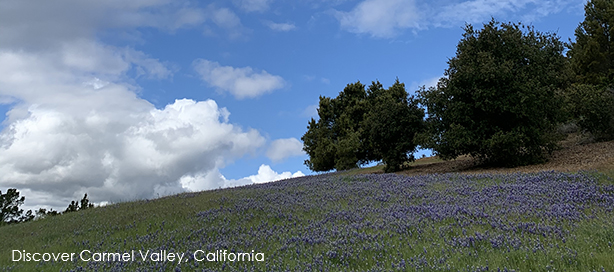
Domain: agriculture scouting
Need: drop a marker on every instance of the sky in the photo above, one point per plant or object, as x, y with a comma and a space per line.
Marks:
127, 100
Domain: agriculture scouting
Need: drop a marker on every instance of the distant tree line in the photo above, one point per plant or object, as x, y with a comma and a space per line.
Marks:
10, 213
501, 100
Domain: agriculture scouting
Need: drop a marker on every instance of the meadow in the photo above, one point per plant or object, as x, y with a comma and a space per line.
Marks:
546, 221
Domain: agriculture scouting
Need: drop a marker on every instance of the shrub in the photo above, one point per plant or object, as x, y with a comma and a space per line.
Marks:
593, 109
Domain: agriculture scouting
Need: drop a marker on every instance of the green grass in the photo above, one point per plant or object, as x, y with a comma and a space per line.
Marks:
345, 212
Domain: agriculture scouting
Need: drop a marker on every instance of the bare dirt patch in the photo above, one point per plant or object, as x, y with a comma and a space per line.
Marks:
571, 157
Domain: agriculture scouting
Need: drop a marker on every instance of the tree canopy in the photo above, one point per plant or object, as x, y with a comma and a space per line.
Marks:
9, 207
590, 101
363, 125
592, 54
498, 98
391, 125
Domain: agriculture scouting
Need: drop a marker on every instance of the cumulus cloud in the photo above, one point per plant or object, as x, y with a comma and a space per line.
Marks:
281, 149
113, 145
283, 27
240, 82
380, 18
75, 123
388, 18
266, 174
214, 179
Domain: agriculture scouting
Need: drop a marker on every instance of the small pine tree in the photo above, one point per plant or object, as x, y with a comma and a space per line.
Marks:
85, 203
9, 206
72, 207
77, 206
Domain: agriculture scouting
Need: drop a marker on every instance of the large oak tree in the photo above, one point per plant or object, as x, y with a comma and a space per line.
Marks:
498, 98
360, 126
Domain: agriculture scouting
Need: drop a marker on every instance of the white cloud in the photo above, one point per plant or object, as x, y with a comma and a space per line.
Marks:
432, 82
380, 18
427, 83
252, 5
75, 123
284, 27
86, 56
477, 11
388, 18
111, 144
311, 78
266, 174
281, 149
41, 24
310, 111
226, 20
240, 82
214, 179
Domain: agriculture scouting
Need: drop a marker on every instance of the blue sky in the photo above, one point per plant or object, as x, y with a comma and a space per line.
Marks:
137, 99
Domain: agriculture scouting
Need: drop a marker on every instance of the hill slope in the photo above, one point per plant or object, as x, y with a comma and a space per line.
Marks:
386, 222
571, 157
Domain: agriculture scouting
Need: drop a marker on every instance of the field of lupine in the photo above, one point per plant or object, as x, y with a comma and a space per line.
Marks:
548, 221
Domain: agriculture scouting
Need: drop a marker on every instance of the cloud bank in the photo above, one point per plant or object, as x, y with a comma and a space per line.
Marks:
72, 134
41, 24
76, 124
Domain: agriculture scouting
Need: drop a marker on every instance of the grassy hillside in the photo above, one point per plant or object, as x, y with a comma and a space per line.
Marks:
547, 221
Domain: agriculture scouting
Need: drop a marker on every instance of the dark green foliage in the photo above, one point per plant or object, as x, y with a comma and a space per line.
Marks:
27, 216
593, 109
334, 142
592, 54
318, 144
360, 126
42, 213
391, 125
74, 205
498, 100
10, 212
591, 101
9, 206
85, 203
